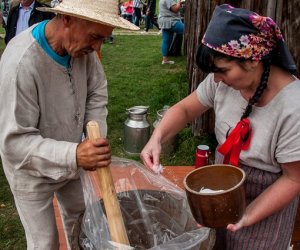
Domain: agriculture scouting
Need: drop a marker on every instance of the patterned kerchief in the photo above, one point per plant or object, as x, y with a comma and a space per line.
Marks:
244, 34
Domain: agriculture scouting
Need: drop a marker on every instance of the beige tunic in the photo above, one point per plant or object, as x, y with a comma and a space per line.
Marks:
43, 110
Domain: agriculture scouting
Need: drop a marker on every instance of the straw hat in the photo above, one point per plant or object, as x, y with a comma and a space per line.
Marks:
99, 11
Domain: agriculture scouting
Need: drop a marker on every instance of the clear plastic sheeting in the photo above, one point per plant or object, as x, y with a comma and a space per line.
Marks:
155, 212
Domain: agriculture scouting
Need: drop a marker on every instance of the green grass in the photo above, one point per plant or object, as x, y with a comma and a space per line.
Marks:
11, 231
135, 77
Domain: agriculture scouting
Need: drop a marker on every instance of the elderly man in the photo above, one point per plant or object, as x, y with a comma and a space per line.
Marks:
51, 85
23, 15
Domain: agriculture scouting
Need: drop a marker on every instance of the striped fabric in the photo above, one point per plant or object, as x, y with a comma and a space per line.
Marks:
273, 233
136, 3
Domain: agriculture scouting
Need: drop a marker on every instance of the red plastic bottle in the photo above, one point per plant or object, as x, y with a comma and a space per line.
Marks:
202, 156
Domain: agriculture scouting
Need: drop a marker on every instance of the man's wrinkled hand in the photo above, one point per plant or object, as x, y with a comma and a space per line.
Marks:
93, 154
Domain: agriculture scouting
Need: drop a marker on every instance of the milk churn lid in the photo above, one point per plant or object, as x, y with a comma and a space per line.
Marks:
138, 110
160, 113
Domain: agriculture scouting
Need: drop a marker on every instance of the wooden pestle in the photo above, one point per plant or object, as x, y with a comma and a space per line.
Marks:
111, 203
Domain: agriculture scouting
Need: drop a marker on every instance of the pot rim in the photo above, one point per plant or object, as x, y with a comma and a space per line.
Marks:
220, 192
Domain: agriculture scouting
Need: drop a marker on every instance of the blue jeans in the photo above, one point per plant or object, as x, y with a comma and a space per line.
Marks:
167, 35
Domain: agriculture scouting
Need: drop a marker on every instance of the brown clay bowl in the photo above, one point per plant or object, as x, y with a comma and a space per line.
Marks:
216, 209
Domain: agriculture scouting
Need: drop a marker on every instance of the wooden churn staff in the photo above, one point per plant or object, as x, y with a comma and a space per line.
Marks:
112, 207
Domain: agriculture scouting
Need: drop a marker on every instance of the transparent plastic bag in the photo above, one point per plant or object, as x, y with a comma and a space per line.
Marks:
155, 212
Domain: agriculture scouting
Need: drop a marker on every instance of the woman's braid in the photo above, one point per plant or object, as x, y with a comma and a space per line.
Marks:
259, 91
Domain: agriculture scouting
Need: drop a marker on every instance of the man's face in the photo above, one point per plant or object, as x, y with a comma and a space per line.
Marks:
82, 37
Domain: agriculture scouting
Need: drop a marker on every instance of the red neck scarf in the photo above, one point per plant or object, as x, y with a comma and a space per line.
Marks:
238, 140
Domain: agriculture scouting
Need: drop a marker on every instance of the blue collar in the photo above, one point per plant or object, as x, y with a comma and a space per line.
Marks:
39, 34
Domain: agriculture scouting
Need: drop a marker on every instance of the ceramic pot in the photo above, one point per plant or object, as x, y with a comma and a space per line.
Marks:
216, 209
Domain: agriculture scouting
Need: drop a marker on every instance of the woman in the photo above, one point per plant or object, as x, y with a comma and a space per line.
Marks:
169, 21
255, 98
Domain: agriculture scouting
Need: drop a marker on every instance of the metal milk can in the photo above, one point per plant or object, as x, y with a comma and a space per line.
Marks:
136, 130
169, 146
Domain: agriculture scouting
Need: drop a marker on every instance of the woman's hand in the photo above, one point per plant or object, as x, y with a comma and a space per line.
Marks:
242, 223
150, 153
173, 121
93, 154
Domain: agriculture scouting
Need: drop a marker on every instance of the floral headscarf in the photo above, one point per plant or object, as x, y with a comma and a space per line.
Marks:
244, 34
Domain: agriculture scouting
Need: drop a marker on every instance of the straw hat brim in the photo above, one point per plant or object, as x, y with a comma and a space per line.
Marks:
113, 21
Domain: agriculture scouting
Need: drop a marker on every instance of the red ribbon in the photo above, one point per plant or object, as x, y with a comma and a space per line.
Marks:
238, 140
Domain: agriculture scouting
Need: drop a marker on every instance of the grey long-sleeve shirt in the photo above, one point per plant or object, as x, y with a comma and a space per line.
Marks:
43, 110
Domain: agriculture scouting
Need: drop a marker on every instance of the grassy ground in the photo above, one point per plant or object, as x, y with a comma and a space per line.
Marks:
136, 77
140, 79
2, 44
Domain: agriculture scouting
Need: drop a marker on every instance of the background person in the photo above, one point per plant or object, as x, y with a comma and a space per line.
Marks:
51, 85
169, 21
255, 97
127, 10
22, 16
137, 14
150, 19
